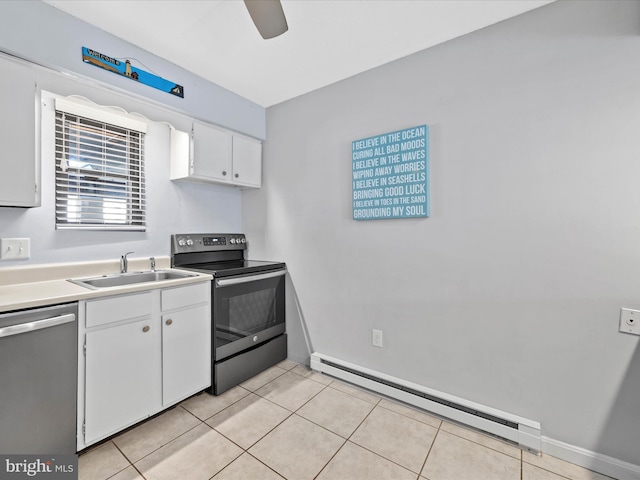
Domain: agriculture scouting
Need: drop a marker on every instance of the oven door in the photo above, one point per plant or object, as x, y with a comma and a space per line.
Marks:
247, 311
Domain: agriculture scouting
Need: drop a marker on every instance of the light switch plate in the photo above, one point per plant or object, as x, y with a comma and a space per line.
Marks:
630, 321
15, 248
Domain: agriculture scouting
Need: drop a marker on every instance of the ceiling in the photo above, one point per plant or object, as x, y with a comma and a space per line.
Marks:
327, 41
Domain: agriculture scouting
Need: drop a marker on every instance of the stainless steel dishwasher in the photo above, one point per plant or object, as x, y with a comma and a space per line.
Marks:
38, 378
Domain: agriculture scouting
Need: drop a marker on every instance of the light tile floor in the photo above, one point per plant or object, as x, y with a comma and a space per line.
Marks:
289, 422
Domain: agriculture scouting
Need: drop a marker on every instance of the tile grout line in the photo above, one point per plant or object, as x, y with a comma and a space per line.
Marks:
127, 458
442, 420
257, 459
486, 446
222, 409
332, 384
375, 405
291, 413
252, 445
332, 456
346, 440
355, 396
163, 445
294, 412
521, 466
246, 450
433, 442
556, 473
369, 450
240, 446
411, 418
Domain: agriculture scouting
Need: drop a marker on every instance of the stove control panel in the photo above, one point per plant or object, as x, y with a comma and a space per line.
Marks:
207, 242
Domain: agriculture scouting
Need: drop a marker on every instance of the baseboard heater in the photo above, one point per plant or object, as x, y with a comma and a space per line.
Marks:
524, 432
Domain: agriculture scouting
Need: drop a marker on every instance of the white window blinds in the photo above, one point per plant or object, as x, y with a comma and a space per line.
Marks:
99, 168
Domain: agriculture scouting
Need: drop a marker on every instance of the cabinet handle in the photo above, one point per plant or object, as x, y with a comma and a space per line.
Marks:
224, 172
146, 328
169, 322
237, 175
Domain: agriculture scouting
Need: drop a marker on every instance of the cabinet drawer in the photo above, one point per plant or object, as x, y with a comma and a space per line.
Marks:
181, 297
115, 309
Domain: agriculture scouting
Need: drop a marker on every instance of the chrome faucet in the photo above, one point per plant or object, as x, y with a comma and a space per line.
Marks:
152, 260
124, 263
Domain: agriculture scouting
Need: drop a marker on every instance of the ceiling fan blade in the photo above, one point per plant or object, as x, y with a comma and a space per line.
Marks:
268, 17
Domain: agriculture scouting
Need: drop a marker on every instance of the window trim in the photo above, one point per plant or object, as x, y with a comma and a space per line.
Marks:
95, 127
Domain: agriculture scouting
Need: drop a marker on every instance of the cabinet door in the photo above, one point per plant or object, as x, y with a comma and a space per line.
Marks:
247, 162
211, 154
18, 163
120, 378
186, 353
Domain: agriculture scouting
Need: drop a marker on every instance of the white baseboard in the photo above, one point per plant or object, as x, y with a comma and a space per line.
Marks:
597, 462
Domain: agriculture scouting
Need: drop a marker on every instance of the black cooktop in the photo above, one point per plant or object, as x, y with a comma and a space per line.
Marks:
235, 267
218, 254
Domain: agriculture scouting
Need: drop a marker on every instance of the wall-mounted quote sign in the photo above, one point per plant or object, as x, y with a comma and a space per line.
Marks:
391, 175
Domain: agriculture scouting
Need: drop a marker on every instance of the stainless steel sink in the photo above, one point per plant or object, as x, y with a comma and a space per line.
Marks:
121, 279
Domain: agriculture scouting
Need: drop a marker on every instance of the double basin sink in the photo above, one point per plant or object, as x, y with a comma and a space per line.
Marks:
133, 278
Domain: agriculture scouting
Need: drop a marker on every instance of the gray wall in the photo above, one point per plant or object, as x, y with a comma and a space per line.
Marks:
509, 294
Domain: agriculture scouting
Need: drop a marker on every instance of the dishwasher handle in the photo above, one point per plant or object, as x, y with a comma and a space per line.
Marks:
36, 325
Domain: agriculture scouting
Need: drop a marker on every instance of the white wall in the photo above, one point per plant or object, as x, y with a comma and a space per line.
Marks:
38, 32
172, 207
509, 294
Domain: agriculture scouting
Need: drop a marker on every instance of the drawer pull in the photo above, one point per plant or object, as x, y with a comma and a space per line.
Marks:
169, 322
146, 328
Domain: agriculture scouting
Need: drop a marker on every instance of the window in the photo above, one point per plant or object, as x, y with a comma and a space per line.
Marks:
99, 156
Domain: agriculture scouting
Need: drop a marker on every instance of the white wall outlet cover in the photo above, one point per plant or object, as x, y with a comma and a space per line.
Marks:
376, 338
630, 321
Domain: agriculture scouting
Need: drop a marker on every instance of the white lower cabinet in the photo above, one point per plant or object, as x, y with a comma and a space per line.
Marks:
186, 353
120, 379
139, 354
186, 342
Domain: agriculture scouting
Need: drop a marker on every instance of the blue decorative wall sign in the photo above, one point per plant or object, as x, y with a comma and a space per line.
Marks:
127, 70
391, 175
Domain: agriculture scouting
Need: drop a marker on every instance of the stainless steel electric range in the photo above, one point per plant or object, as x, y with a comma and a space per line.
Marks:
248, 305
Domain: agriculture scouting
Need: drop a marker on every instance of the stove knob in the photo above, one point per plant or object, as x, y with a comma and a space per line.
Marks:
182, 242
232, 241
243, 240
189, 242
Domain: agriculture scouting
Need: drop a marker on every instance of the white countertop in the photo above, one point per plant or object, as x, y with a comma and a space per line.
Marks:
40, 285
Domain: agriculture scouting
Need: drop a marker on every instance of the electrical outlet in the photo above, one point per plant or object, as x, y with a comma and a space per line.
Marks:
15, 248
376, 338
630, 321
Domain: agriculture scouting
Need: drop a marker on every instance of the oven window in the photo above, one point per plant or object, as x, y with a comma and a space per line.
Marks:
247, 314
252, 312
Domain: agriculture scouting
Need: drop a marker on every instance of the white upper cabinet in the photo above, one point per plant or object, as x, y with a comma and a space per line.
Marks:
19, 164
247, 161
211, 154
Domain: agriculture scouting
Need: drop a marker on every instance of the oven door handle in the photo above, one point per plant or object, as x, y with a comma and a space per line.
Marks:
224, 282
